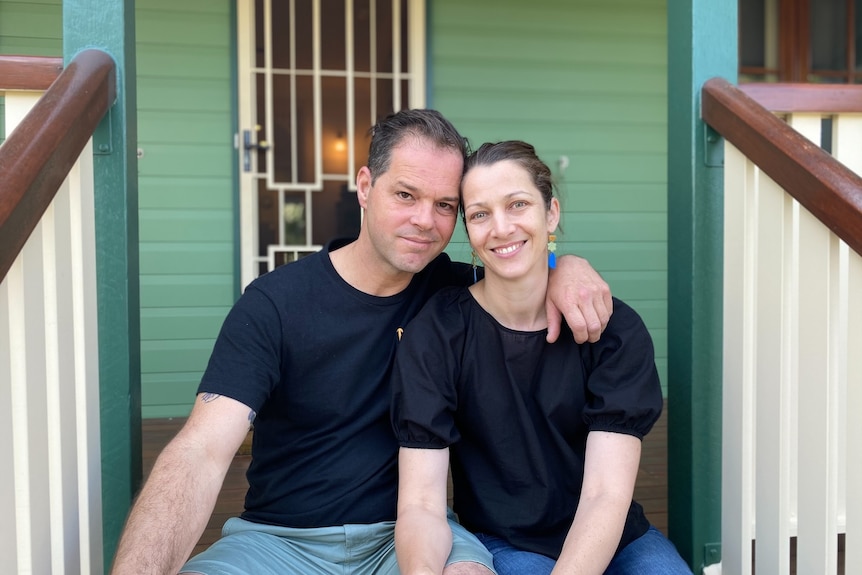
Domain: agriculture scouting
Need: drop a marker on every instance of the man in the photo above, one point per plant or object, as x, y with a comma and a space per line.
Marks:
306, 354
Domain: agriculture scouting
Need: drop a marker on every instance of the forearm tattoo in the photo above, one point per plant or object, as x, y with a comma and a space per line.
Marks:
208, 397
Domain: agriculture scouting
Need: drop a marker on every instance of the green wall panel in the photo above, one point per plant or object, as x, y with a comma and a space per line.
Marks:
190, 28
186, 159
185, 323
32, 28
582, 79
585, 80
631, 286
162, 355
610, 196
178, 94
575, 106
185, 257
654, 312
186, 291
160, 61
204, 225
160, 127
165, 192
161, 392
185, 167
186, 193
621, 256
613, 226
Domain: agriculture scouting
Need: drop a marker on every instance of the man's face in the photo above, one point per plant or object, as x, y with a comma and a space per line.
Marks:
411, 210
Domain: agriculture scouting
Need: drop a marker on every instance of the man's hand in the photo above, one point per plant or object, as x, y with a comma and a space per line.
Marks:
578, 292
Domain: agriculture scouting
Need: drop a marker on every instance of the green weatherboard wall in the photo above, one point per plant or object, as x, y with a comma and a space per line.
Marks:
186, 209
584, 80
33, 28
186, 193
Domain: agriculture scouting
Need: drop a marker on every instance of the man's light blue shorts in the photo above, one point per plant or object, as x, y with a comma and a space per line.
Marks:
247, 547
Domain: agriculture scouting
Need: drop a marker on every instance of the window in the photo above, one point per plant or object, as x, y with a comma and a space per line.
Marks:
812, 41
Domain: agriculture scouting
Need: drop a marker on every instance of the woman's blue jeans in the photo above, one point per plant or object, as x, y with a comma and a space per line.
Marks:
650, 554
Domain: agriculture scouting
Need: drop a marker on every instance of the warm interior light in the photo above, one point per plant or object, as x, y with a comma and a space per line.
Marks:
340, 143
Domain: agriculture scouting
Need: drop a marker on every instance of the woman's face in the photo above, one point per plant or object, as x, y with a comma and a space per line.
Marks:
507, 221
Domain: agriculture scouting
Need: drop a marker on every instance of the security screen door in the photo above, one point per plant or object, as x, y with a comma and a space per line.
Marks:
314, 75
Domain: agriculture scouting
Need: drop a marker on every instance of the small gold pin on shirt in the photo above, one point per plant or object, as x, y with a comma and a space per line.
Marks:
400, 332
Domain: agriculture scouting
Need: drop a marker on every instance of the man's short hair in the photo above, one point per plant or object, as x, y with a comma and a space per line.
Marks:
424, 124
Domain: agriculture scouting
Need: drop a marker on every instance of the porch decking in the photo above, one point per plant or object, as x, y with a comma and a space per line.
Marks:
651, 489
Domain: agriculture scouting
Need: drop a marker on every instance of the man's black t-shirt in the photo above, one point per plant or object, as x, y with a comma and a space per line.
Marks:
312, 356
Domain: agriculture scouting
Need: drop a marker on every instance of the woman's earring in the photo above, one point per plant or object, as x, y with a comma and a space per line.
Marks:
473, 259
552, 247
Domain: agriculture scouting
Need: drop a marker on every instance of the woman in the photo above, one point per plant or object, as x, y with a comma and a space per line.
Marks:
545, 439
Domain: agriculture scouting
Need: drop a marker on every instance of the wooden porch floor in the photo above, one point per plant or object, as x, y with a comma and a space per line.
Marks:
651, 489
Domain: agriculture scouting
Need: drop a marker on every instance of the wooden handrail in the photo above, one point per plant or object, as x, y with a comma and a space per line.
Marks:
38, 154
29, 72
791, 98
819, 182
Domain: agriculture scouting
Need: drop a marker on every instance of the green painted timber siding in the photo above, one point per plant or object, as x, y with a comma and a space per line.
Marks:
29, 27
581, 79
584, 79
186, 205
187, 216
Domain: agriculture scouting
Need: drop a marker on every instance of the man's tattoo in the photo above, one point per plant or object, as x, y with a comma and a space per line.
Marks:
208, 397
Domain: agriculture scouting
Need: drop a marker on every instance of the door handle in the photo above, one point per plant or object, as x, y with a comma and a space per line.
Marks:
248, 145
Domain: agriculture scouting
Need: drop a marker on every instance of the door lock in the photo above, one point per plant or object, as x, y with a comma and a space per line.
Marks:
248, 145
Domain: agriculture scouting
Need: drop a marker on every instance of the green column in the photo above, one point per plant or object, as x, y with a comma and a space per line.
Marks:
701, 44
109, 25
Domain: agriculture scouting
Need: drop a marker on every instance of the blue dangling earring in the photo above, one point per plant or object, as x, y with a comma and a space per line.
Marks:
473, 259
552, 247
